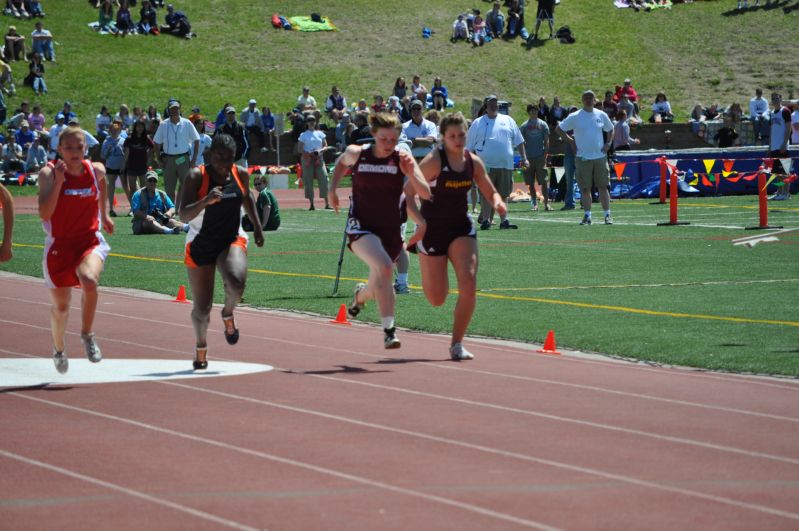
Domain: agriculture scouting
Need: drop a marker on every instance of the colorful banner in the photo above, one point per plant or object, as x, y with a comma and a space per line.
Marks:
728, 164
774, 176
21, 178
709, 164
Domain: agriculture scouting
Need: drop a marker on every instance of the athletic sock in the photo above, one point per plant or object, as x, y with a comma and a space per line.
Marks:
607, 213
388, 322
588, 214
402, 278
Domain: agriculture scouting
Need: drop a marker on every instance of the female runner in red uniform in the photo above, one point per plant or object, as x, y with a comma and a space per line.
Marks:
373, 226
211, 203
72, 205
449, 233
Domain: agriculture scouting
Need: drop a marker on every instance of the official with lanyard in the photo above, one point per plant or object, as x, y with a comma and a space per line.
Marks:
173, 145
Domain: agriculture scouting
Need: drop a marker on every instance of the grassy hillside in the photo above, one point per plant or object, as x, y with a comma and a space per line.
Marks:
696, 52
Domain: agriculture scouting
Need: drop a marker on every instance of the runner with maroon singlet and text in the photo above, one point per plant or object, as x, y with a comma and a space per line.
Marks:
72, 206
373, 226
450, 234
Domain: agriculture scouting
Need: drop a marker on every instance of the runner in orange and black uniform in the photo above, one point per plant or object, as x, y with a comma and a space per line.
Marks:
211, 203
72, 206
449, 234
373, 227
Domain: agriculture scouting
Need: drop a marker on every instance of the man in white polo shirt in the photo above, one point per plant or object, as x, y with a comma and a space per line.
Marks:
588, 125
173, 146
421, 132
493, 137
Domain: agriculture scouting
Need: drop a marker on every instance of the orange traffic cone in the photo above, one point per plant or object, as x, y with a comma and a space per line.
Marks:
549, 344
341, 318
181, 295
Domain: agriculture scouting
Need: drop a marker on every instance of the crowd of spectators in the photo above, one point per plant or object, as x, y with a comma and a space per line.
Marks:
472, 27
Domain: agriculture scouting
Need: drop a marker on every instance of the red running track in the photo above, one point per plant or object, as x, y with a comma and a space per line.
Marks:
345, 435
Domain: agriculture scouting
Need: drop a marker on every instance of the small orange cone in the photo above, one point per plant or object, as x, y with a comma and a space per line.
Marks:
549, 344
341, 318
181, 295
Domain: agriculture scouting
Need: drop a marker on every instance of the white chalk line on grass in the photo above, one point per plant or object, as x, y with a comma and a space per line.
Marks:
495, 451
301, 464
124, 490
657, 285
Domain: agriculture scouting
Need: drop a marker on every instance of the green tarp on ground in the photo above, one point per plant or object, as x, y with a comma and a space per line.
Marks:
306, 24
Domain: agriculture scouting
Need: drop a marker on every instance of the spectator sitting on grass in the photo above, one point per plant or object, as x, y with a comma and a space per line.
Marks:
37, 119
661, 110
124, 20
713, 112
105, 17
35, 76
15, 45
478, 29
418, 91
251, 120
379, 105
148, 19
460, 31
626, 89
343, 129
42, 42
177, 23
336, 104
36, 9
735, 112
440, 95
697, 118
495, 21
631, 109
400, 90
609, 106
153, 211
24, 136
265, 205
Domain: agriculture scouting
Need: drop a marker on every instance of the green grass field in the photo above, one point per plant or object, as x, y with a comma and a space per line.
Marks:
677, 295
700, 52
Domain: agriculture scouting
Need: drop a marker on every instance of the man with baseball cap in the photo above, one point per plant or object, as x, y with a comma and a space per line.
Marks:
493, 137
174, 139
592, 138
251, 119
421, 132
153, 211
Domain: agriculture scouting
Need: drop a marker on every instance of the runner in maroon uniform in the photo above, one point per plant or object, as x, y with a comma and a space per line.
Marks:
72, 205
373, 226
211, 203
7, 202
450, 233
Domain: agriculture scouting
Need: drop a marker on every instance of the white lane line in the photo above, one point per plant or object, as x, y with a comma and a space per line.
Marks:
300, 464
761, 380
569, 420
445, 366
504, 453
124, 490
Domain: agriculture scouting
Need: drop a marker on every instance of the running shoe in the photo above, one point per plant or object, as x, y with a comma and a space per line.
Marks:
567, 207
506, 224
586, 221
355, 307
401, 289
391, 340
231, 332
548, 207
485, 225
608, 220
92, 350
60, 361
458, 353
534, 207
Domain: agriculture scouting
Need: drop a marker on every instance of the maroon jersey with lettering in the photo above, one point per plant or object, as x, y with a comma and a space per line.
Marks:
377, 185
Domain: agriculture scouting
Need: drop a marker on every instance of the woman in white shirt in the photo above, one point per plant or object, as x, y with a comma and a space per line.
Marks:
661, 110
313, 144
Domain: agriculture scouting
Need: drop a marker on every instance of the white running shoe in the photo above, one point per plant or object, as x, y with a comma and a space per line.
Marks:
779, 196
458, 353
355, 307
60, 361
391, 340
92, 350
